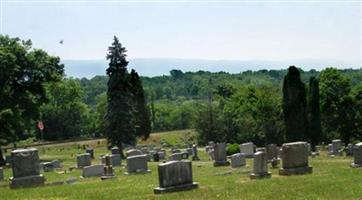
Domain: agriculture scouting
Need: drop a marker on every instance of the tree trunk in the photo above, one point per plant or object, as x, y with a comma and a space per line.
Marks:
2, 160
120, 147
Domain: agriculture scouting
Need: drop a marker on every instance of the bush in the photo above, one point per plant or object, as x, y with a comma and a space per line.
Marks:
232, 149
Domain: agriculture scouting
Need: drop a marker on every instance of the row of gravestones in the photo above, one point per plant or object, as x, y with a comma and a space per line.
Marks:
294, 157
173, 175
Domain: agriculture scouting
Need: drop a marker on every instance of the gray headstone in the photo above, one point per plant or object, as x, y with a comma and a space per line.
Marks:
247, 149
194, 153
272, 151
260, 166
237, 160
47, 166
295, 159
26, 168
90, 151
175, 176
115, 150
137, 164
133, 152
336, 147
175, 157
56, 164
93, 171
84, 160
357, 155
220, 155
161, 155
212, 154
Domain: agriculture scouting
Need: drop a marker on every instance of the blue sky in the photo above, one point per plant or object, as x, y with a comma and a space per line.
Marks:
234, 31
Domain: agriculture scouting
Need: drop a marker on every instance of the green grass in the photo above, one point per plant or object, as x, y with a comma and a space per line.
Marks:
332, 178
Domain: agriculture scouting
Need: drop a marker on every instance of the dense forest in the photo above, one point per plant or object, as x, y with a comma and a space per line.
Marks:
265, 106
244, 106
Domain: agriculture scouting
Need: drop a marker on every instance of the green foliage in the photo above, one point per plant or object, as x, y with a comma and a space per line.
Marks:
119, 124
314, 116
294, 106
65, 115
141, 110
23, 73
232, 149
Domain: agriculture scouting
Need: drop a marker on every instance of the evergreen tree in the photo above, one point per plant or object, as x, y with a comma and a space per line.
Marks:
119, 119
141, 110
294, 106
315, 128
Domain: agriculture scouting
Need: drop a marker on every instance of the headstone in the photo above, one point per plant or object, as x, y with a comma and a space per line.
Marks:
194, 153
357, 155
90, 151
108, 172
336, 147
175, 151
84, 160
237, 160
189, 151
161, 155
116, 160
295, 159
185, 155
271, 151
263, 149
137, 164
155, 157
175, 176
56, 164
212, 144
260, 166
133, 152
220, 155
1, 174
115, 150
47, 166
93, 171
247, 149
26, 169
175, 157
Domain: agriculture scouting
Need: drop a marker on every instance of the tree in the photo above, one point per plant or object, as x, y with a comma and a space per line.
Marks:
294, 106
334, 91
65, 115
23, 72
315, 127
141, 110
119, 120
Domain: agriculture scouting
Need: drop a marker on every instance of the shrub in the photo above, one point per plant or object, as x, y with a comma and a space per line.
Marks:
232, 149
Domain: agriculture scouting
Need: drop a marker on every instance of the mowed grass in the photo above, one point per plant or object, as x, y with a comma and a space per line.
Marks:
332, 178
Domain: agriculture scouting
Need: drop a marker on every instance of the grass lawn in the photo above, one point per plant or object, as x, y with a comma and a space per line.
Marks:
332, 178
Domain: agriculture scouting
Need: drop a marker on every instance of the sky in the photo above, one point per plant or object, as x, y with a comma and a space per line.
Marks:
233, 30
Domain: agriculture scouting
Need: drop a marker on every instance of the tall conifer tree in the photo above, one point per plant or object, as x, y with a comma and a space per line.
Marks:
315, 128
294, 106
119, 119
141, 110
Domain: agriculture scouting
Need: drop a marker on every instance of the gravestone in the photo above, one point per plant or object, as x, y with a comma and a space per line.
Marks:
115, 160
263, 149
357, 155
90, 151
350, 149
84, 160
93, 171
56, 164
137, 164
161, 155
295, 159
185, 155
175, 151
108, 172
260, 166
115, 150
247, 149
220, 155
237, 160
271, 151
175, 176
194, 153
1, 174
336, 147
189, 151
175, 157
133, 152
47, 166
26, 169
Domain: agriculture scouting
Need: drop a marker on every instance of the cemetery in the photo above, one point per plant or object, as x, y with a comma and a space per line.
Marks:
135, 178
